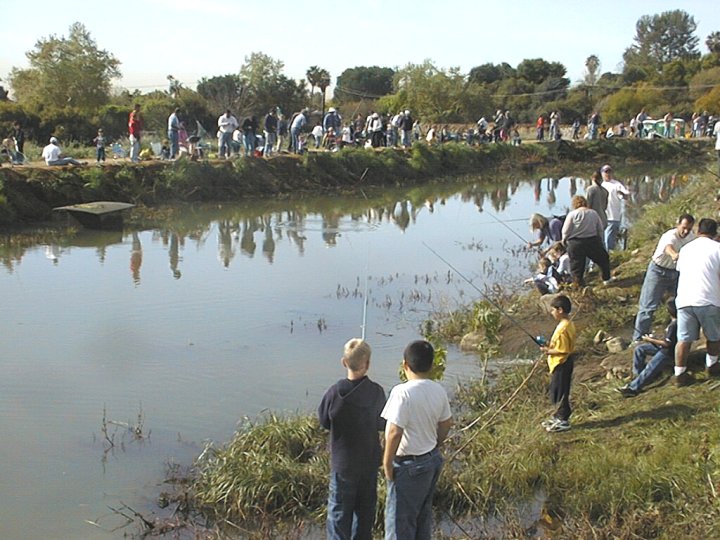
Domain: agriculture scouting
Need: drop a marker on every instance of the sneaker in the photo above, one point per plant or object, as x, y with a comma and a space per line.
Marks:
609, 281
549, 422
560, 425
714, 370
626, 391
684, 379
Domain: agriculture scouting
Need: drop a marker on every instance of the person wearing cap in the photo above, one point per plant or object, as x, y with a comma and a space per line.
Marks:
662, 276
332, 120
616, 192
52, 154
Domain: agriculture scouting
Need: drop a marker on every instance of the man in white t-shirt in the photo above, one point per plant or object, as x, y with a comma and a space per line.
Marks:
661, 276
52, 154
616, 192
227, 123
418, 420
698, 300
716, 132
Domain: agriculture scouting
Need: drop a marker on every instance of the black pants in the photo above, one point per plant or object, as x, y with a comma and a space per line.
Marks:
581, 249
560, 388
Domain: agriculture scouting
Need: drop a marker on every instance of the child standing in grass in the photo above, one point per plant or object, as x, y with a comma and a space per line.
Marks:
560, 352
99, 141
351, 411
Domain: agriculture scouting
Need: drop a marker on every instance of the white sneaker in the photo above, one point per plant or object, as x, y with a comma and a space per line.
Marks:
560, 425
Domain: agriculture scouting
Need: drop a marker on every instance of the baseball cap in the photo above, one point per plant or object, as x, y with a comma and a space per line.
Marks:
53, 140
606, 168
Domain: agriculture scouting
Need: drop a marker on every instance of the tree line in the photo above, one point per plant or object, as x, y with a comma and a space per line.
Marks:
67, 90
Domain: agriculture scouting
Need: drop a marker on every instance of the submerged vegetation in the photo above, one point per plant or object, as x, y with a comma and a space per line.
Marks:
641, 468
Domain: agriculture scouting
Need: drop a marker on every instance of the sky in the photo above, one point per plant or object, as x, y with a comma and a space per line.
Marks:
191, 39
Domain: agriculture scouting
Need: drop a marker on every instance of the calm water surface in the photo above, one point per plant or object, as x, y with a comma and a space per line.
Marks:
225, 313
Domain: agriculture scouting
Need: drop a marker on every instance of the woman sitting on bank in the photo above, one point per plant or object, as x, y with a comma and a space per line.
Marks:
545, 229
582, 233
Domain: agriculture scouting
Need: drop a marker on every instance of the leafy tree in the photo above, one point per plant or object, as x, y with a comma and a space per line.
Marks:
703, 82
592, 68
710, 101
713, 42
267, 86
437, 95
490, 73
66, 73
537, 70
222, 91
362, 82
660, 39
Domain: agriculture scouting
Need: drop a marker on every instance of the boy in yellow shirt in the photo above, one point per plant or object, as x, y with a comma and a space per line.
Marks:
560, 352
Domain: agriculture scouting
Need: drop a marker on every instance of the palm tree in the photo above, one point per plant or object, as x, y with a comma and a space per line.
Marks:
320, 78
313, 77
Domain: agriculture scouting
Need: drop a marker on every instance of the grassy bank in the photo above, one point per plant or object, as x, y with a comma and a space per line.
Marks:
28, 194
647, 467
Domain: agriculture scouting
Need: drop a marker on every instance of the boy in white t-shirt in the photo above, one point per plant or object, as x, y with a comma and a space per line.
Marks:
418, 420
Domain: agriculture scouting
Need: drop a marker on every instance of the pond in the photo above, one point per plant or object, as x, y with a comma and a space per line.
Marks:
227, 312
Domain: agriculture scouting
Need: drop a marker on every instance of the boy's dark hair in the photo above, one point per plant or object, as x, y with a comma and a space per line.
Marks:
419, 356
671, 307
707, 227
561, 302
689, 217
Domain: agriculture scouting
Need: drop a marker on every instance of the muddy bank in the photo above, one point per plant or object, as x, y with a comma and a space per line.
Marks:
28, 194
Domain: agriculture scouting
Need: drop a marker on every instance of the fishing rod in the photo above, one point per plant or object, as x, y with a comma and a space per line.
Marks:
524, 241
540, 341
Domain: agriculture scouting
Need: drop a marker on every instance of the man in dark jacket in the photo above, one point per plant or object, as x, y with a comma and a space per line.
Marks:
351, 409
270, 129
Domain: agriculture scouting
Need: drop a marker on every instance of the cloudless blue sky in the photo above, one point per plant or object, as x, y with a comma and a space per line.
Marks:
191, 39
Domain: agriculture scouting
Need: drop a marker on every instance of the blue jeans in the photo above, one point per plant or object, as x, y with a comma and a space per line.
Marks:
408, 507
351, 506
174, 138
407, 138
249, 140
270, 141
294, 137
658, 281
225, 138
611, 232
644, 373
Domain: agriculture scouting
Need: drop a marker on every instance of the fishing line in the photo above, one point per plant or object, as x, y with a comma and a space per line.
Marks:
486, 297
365, 296
524, 241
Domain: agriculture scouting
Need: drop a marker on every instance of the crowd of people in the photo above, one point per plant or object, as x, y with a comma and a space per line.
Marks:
683, 274
276, 132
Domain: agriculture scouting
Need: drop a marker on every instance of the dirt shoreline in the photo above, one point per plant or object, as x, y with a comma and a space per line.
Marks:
29, 193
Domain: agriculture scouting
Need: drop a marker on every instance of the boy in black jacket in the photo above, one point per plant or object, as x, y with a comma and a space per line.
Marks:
351, 409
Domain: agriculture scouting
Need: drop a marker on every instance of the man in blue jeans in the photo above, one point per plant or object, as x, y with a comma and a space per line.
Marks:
662, 351
418, 420
661, 276
350, 409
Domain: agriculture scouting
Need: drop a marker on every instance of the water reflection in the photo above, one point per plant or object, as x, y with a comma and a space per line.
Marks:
240, 230
225, 312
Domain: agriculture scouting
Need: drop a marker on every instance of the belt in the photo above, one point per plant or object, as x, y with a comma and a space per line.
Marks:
661, 267
403, 459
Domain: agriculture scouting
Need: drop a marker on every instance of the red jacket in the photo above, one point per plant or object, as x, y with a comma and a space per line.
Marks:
135, 123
